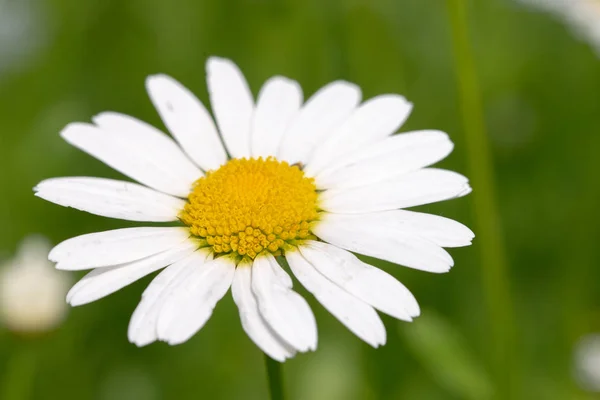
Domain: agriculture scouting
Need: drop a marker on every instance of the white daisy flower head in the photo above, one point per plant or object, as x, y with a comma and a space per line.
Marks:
32, 291
583, 16
587, 362
312, 183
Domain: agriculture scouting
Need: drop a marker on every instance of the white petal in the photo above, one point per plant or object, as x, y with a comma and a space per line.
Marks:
416, 188
327, 109
282, 277
442, 231
143, 325
386, 159
439, 230
252, 322
137, 150
119, 246
384, 242
104, 281
188, 120
111, 198
232, 104
371, 122
359, 317
190, 308
371, 285
278, 103
286, 312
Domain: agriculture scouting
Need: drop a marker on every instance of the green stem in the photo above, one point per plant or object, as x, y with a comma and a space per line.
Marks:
20, 374
275, 379
488, 225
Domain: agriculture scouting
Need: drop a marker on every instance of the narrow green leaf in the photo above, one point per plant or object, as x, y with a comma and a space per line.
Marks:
444, 352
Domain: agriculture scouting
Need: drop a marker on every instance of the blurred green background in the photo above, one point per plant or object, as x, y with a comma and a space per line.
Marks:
67, 60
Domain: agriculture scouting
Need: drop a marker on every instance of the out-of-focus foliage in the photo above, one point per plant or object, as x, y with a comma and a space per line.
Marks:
66, 60
444, 352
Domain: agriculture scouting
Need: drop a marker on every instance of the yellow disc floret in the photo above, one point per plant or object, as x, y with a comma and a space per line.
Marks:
251, 205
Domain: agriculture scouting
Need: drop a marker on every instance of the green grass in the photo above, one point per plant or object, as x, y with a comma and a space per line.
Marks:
516, 92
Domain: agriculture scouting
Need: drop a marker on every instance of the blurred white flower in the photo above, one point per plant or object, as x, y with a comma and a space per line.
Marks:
32, 292
583, 16
587, 362
23, 32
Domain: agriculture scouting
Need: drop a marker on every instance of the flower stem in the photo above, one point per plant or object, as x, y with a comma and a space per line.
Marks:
275, 379
488, 225
20, 374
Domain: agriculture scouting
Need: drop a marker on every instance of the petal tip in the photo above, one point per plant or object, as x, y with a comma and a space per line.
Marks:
214, 62
159, 83
74, 302
59, 266
157, 79
466, 190
70, 130
351, 87
139, 343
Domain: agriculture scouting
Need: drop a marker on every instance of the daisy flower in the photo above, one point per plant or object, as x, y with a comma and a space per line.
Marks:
586, 357
274, 179
32, 292
582, 16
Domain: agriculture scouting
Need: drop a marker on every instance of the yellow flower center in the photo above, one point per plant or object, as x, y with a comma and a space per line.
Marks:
251, 205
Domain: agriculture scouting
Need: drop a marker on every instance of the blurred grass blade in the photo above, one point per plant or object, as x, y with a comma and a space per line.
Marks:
274, 378
443, 351
488, 227
17, 383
